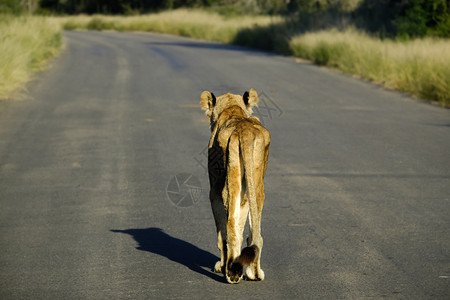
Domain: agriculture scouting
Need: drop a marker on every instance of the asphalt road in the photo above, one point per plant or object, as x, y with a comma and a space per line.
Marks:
357, 188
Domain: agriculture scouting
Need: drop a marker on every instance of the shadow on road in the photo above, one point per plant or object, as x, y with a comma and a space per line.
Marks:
207, 45
155, 240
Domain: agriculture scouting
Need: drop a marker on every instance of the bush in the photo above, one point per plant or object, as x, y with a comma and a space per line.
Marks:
405, 19
420, 67
10, 7
421, 18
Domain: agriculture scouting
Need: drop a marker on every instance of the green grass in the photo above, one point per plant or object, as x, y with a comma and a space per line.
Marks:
420, 67
26, 45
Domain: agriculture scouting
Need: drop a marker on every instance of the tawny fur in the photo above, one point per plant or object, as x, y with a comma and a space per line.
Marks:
237, 161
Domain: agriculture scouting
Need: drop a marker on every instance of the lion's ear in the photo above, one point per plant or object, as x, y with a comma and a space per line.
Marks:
207, 101
251, 98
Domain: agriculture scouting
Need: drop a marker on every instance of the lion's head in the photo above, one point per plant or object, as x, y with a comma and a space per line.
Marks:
215, 106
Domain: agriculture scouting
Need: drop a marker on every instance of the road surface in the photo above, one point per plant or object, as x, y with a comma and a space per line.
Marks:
103, 189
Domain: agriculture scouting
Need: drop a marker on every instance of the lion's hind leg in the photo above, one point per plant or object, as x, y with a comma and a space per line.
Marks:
254, 271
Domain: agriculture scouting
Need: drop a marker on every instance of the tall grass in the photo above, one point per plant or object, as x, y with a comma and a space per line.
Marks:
198, 24
420, 67
26, 44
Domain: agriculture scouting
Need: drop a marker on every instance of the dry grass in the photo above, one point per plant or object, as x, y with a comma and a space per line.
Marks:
191, 23
26, 44
420, 67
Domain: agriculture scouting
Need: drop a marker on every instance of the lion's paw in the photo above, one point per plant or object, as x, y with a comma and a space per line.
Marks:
235, 273
250, 274
261, 274
218, 268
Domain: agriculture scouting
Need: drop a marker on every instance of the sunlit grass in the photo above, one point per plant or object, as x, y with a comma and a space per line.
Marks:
26, 45
420, 67
198, 24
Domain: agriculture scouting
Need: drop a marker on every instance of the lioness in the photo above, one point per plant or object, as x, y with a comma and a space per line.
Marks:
237, 161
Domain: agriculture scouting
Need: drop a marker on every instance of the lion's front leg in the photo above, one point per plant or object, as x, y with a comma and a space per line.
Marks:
222, 245
220, 219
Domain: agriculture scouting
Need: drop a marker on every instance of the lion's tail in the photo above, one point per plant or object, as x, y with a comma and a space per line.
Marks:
248, 143
248, 255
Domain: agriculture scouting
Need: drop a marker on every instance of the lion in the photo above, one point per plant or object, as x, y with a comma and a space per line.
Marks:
237, 161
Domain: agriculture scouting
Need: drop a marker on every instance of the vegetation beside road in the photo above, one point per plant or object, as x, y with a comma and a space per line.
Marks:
26, 45
403, 45
199, 24
420, 67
